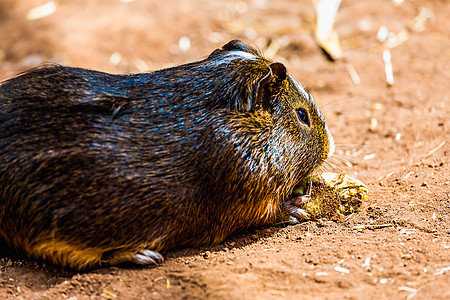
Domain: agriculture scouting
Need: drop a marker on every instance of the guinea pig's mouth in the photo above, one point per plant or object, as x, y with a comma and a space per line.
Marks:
302, 187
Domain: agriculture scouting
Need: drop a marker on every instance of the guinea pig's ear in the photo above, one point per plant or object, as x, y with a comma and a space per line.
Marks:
268, 86
237, 45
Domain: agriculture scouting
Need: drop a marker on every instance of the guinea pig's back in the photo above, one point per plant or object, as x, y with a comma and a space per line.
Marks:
76, 161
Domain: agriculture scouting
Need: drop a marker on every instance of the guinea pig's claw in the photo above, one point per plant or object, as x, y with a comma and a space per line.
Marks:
296, 214
300, 200
148, 257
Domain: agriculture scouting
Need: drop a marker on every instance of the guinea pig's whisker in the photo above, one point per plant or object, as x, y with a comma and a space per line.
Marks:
310, 188
334, 166
326, 168
353, 163
336, 100
343, 159
322, 184
349, 146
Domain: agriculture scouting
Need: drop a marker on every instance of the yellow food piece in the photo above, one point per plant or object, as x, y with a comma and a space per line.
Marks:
346, 185
332, 195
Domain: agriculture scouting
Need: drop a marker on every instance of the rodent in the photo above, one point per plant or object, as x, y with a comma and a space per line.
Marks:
99, 169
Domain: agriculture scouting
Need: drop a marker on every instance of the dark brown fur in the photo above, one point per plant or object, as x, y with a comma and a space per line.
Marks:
95, 168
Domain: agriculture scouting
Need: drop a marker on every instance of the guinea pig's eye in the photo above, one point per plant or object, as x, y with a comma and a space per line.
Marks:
303, 116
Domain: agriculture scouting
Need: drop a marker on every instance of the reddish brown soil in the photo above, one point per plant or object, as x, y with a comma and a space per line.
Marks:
408, 174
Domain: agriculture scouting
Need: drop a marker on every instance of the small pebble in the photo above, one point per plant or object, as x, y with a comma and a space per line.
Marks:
369, 156
184, 43
342, 270
115, 58
41, 11
382, 34
373, 124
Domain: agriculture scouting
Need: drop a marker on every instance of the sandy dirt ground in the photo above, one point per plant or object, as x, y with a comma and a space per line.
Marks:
394, 138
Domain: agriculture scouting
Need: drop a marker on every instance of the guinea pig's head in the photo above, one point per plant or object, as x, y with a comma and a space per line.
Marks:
297, 139
298, 124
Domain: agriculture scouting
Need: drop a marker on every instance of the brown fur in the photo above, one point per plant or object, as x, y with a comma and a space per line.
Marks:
96, 167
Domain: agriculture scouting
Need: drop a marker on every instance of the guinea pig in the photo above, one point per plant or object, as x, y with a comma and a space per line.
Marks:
100, 169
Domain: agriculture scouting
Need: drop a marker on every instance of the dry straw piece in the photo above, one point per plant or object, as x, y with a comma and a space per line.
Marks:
326, 36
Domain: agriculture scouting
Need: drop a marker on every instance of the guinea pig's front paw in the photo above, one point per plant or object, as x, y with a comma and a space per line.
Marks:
294, 210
